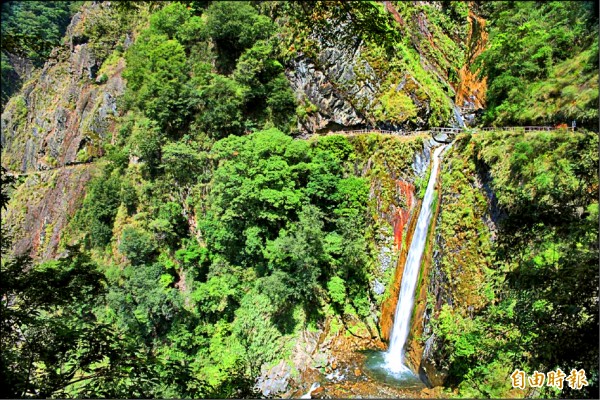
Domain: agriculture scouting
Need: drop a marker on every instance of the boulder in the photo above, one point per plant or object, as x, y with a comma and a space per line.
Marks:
274, 380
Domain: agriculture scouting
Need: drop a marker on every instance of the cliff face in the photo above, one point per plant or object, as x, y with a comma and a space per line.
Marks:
394, 207
337, 79
62, 116
65, 112
457, 268
318, 84
403, 78
40, 208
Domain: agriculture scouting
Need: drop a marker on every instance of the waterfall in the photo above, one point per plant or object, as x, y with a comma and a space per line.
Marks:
459, 119
394, 358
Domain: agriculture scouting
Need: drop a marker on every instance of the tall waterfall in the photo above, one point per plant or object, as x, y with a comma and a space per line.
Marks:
394, 358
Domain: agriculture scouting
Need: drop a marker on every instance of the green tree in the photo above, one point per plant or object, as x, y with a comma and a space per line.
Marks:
183, 163
235, 26
337, 290
220, 107
252, 328
146, 309
137, 245
34, 27
281, 103
299, 252
218, 297
49, 332
30, 30
99, 209
156, 76
254, 193
146, 141
170, 226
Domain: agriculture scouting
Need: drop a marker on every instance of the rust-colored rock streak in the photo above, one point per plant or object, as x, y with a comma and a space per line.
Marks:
403, 220
469, 82
390, 8
402, 215
41, 207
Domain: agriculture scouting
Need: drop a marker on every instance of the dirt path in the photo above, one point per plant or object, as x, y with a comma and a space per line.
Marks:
62, 167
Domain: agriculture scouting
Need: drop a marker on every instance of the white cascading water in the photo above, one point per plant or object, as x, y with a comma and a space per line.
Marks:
459, 119
394, 358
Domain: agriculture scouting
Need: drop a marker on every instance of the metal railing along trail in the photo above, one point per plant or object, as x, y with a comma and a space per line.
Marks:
446, 130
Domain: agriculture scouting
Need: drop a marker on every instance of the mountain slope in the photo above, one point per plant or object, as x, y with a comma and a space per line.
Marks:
183, 224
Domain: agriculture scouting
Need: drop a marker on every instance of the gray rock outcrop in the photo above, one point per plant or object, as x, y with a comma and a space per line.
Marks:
60, 118
338, 81
61, 110
342, 85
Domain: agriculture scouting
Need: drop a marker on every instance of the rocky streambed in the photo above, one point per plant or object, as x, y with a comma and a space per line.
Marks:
342, 373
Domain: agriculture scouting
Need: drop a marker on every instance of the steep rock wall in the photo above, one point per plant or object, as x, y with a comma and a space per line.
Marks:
314, 87
63, 110
346, 81
401, 215
470, 93
40, 208
54, 128
337, 80
459, 267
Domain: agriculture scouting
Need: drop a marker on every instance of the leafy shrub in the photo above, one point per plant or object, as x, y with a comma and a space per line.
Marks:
137, 245
102, 79
235, 26
337, 290
169, 226
156, 80
99, 209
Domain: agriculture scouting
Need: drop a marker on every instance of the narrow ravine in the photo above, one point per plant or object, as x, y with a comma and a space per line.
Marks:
390, 366
394, 358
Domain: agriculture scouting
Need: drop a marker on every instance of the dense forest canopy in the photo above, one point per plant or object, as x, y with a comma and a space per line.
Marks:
213, 237
542, 63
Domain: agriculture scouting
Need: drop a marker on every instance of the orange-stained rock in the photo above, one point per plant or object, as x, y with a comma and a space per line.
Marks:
388, 307
317, 390
469, 82
401, 217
